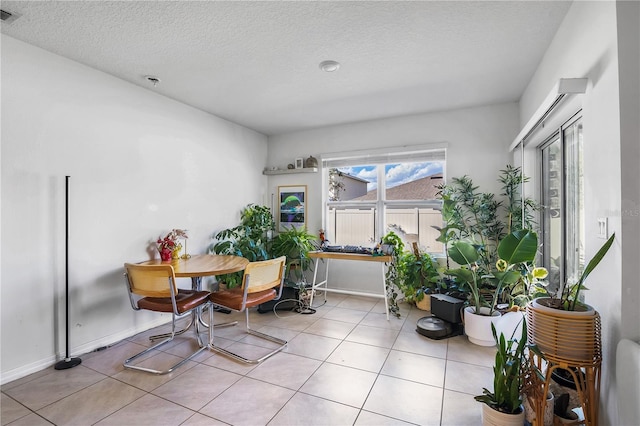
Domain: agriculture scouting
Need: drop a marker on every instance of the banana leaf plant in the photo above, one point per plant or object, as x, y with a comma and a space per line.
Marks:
516, 250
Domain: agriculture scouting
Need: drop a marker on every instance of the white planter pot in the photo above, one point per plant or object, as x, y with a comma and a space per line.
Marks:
530, 412
510, 324
491, 417
478, 327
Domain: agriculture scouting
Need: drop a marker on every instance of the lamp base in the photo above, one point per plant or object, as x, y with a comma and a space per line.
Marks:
67, 363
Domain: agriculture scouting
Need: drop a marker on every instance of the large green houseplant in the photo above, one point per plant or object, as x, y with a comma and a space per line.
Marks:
295, 243
249, 239
483, 218
419, 276
515, 251
475, 224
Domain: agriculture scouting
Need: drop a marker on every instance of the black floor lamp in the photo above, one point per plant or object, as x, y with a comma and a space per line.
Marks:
67, 362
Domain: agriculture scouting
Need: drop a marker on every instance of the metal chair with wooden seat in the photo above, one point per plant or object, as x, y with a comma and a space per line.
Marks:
153, 288
262, 282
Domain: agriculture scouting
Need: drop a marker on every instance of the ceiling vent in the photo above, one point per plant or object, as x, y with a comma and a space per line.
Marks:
8, 16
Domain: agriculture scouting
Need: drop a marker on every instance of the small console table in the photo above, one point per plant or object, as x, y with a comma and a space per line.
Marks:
317, 255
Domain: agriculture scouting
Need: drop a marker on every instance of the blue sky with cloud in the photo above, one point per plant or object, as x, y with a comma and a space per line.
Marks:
396, 174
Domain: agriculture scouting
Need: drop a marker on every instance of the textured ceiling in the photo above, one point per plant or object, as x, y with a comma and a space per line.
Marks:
256, 63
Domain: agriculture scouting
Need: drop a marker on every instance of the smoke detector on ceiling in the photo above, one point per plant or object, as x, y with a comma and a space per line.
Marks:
329, 66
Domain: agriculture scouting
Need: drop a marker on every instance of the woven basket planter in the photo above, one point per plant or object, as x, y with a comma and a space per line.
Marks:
570, 337
425, 303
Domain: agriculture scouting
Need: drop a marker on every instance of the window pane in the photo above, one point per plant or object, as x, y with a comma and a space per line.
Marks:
346, 226
353, 183
416, 224
563, 198
412, 181
574, 201
552, 216
365, 199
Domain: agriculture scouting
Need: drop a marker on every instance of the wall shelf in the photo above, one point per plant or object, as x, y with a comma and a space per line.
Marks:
290, 171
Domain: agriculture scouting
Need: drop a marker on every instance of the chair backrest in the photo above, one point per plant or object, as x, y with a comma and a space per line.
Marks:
264, 274
151, 280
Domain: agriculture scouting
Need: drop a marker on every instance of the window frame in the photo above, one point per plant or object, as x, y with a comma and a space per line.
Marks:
558, 135
422, 153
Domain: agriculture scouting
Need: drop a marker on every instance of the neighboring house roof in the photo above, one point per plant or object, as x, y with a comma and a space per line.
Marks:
356, 178
419, 189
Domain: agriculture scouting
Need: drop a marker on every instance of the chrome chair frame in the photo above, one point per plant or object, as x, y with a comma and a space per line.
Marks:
246, 285
194, 313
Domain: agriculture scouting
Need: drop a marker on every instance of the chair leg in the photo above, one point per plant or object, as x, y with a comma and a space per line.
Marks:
165, 335
221, 325
189, 324
201, 347
240, 358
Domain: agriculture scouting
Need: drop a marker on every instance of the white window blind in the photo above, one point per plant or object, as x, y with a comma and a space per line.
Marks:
415, 153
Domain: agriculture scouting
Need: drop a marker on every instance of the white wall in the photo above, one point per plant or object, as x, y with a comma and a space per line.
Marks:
140, 164
629, 64
586, 46
477, 139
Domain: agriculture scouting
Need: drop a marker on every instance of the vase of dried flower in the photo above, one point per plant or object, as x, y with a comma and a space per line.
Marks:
165, 254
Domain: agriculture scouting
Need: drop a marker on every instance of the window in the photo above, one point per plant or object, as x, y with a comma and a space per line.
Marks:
563, 200
370, 194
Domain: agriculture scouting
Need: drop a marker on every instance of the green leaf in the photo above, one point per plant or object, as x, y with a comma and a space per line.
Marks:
463, 253
591, 266
508, 277
519, 246
462, 273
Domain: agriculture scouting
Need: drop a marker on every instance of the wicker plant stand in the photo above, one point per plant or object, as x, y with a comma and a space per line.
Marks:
567, 341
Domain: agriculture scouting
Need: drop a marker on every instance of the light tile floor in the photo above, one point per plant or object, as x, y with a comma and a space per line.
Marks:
344, 365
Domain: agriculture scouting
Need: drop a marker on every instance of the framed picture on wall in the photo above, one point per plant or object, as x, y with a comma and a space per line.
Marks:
292, 206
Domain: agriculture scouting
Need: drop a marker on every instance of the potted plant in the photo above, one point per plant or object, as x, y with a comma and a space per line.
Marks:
250, 239
295, 243
568, 333
515, 252
419, 277
503, 405
475, 225
392, 245
574, 324
169, 247
568, 296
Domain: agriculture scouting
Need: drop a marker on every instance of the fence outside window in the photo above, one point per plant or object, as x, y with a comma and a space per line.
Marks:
357, 226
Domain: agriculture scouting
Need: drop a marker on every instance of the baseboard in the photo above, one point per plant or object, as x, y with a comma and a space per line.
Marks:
115, 338
34, 367
25, 370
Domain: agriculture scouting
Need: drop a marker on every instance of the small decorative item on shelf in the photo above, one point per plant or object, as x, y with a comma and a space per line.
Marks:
311, 162
299, 163
169, 247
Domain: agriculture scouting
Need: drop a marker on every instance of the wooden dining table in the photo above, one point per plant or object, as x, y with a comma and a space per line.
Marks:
196, 267
203, 265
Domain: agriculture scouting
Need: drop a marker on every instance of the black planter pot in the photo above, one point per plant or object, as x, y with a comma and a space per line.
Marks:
564, 378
